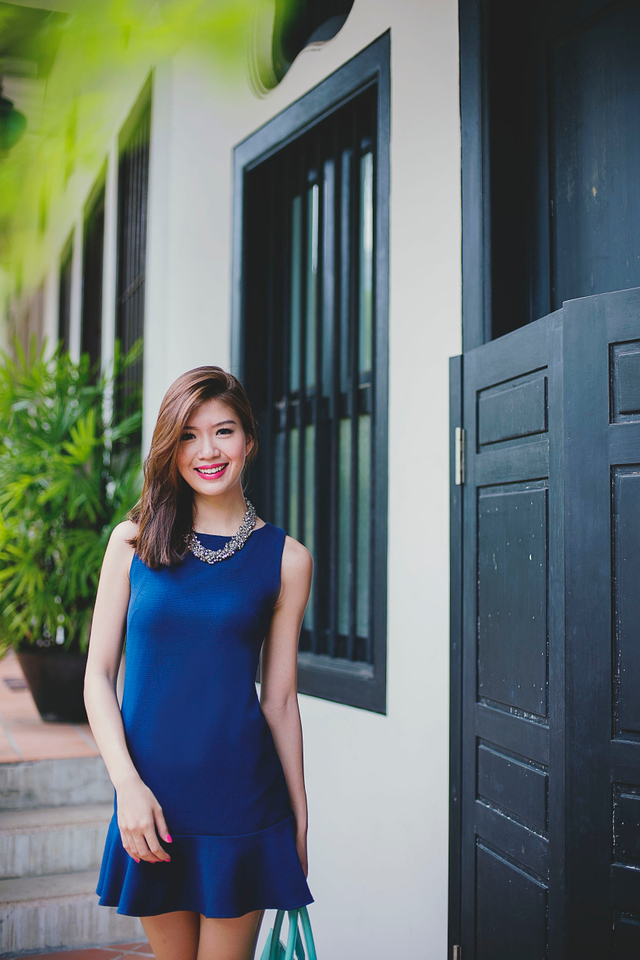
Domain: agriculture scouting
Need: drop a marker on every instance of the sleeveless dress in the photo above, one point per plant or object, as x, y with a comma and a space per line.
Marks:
199, 740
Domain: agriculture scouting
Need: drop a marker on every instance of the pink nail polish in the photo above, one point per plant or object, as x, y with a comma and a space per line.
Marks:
137, 861
168, 859
168, 838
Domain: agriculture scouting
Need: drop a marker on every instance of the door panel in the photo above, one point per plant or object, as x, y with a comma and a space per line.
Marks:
512, 651
505, 891
512, 597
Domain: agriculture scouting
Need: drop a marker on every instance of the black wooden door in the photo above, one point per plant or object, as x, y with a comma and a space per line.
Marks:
602, 543
512, 645
550, 763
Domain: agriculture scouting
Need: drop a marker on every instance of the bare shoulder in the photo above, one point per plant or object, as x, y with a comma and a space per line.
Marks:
123, 532
119, 553
297, 562
296, 571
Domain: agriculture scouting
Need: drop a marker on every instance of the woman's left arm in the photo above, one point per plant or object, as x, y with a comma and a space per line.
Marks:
279, 679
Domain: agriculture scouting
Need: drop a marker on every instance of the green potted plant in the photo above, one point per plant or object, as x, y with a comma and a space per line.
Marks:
69, 472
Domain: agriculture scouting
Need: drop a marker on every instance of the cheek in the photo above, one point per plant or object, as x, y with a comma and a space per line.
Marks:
236, 450
182, 460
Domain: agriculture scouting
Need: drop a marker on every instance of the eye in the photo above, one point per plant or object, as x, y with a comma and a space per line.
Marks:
225, 430
187, 435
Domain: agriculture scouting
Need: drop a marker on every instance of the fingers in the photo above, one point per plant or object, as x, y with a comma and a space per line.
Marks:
142, 844
156, 851
161, 824
130, 845
138, 815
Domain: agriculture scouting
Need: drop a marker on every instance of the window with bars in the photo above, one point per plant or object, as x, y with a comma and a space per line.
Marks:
64, 294
313, 356
92, 258
133, 182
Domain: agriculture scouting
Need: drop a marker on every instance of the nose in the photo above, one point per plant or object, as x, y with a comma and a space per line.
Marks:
208, 448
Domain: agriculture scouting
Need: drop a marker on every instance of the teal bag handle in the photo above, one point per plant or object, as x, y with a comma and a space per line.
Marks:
274, 949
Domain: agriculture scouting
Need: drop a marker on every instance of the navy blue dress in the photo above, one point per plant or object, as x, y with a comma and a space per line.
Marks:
199, 740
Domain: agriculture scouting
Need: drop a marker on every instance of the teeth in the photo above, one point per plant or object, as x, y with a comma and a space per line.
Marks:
209, 473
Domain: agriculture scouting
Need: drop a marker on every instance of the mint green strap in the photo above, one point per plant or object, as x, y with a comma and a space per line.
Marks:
292, 939
274, 949
308, 935
277, 927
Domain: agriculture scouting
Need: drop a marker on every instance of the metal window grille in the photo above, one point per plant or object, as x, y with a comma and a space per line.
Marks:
64, 295
92, 258
133, 181
310, 264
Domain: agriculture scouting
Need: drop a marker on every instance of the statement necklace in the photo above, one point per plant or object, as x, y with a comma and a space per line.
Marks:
236, 542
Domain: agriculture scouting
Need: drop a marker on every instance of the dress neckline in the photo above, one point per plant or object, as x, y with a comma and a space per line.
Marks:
227, 536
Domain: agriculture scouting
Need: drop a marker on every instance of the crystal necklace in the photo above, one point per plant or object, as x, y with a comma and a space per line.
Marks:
236, 542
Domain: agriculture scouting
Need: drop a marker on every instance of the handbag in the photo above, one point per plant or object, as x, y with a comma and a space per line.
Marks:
274, 948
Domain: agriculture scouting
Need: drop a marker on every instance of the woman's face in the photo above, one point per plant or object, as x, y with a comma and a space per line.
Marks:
212, 449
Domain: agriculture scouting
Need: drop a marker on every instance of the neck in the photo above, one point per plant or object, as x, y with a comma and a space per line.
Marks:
219, 515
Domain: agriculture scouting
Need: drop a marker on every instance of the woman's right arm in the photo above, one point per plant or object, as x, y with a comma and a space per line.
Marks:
139, 812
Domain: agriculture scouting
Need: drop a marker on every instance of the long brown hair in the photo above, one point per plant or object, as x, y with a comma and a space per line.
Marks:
164, 511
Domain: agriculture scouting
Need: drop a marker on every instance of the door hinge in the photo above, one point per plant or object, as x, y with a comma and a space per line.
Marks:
457, 952
459, 460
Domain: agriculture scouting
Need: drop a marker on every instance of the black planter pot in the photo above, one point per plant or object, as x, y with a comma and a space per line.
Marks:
56, 681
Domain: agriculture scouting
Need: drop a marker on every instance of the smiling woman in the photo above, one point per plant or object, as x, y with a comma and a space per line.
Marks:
223, 442
208, 779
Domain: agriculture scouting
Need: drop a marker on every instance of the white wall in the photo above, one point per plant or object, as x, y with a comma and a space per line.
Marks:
377, 785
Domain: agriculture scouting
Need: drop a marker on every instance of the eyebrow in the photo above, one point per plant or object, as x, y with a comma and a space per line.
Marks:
187, 427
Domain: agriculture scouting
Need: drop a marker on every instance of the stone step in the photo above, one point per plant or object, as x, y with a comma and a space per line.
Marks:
59, 911
52, 840
53, 783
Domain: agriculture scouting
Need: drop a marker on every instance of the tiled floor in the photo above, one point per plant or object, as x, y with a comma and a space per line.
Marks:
24, 735
115, 952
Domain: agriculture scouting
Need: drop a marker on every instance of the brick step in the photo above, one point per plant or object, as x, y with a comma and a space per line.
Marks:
59, 911
52, 840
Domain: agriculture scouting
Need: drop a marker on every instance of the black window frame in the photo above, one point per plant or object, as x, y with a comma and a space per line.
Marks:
134, 155
92, 272
353, 683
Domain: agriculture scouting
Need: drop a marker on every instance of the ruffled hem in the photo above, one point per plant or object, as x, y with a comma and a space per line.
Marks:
214, 876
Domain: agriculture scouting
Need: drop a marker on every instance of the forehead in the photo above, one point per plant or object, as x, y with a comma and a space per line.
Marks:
211, 411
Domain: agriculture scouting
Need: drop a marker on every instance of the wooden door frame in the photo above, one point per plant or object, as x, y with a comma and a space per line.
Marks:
455, 674
474, 273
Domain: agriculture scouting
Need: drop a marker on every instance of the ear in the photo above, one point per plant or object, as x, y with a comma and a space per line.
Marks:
248, 444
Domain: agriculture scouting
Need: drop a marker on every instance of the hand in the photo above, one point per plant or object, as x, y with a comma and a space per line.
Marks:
301, 846
139, 813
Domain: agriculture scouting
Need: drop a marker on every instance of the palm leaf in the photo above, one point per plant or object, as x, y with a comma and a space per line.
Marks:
62, 489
